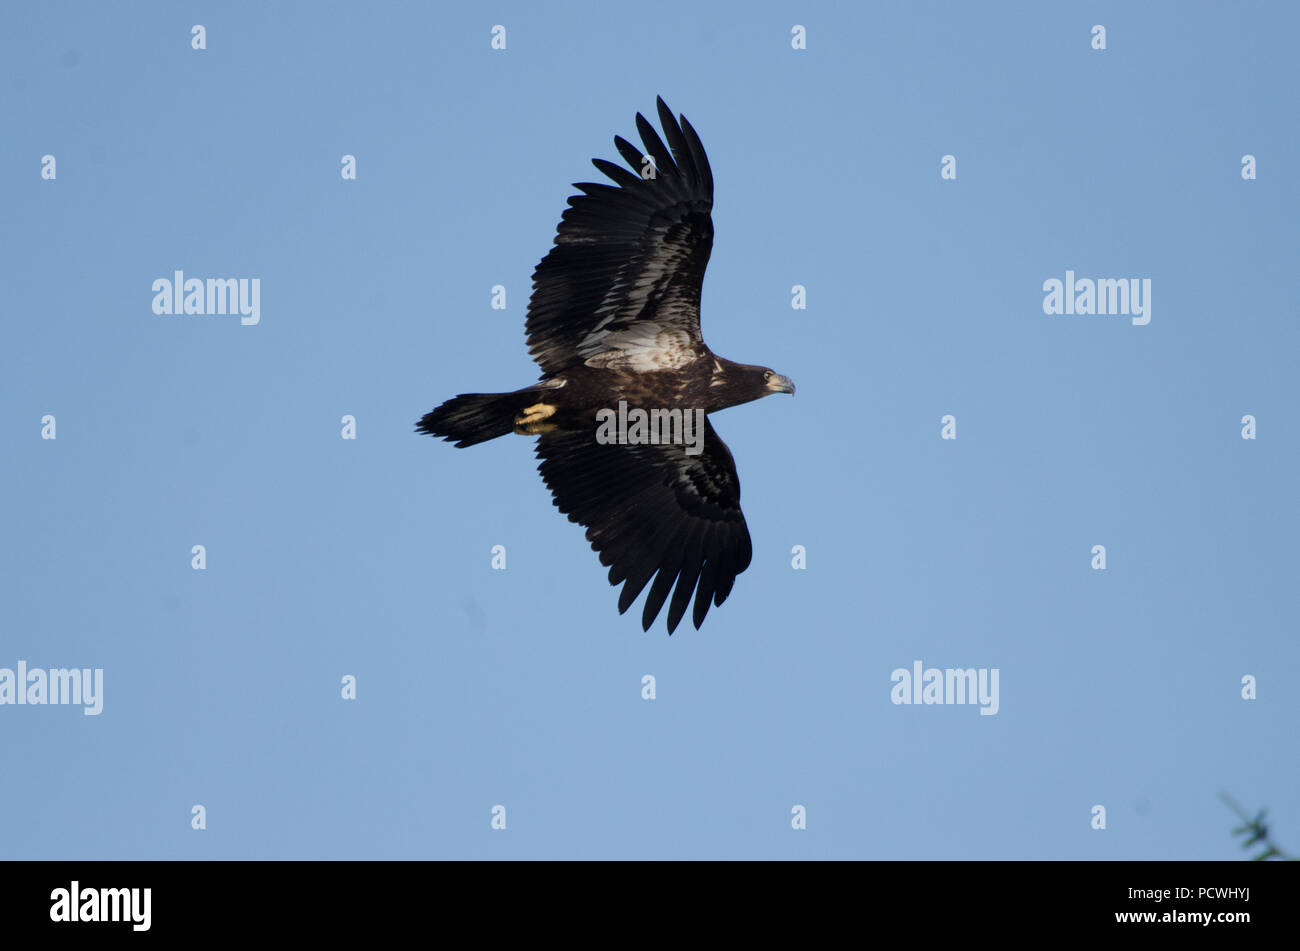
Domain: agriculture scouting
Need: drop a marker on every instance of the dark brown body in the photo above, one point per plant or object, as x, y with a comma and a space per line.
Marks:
572, 398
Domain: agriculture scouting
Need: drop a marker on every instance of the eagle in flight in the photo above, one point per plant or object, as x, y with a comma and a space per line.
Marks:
614, 323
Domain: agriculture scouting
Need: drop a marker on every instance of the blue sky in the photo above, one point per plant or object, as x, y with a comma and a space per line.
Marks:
371, 557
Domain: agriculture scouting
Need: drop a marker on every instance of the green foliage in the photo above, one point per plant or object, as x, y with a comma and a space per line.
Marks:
1255, 832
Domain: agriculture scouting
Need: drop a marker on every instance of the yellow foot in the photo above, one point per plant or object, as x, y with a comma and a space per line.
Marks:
530, 421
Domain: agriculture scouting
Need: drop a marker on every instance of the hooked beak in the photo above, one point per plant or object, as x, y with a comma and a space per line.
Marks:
781, 384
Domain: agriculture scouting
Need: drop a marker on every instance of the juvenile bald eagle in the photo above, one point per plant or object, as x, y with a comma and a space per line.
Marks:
614, 323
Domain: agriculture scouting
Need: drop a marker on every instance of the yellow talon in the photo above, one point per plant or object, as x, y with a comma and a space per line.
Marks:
530, 421
534, 414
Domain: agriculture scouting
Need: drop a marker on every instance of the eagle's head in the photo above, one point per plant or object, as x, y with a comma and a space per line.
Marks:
736, 383
776, 383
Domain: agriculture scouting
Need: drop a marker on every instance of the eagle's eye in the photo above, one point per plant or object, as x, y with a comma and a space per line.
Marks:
767, 376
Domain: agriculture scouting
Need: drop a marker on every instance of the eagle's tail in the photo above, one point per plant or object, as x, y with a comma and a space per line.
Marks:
472, 418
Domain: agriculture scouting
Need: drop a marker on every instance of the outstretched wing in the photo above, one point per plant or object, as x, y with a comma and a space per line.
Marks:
621, 287
654, 512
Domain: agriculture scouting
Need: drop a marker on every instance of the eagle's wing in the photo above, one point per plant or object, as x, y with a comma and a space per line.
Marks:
621, 287
653, 509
